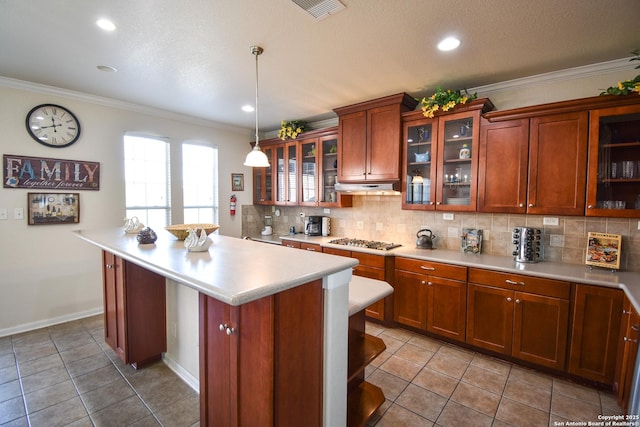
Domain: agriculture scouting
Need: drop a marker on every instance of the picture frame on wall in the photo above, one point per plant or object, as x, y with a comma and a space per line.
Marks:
603, 250
237, 182
53, 208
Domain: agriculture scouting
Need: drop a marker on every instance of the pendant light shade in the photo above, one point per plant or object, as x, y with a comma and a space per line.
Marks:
256, 158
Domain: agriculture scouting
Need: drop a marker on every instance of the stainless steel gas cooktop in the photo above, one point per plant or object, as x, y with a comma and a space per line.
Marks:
368, 244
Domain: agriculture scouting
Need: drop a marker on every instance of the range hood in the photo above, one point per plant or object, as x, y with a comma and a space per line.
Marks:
381, 188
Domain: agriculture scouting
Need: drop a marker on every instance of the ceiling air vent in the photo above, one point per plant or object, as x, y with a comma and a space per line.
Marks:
320, 9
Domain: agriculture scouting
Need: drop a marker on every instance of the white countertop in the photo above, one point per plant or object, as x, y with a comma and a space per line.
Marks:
234, 271
628, 281
364, 291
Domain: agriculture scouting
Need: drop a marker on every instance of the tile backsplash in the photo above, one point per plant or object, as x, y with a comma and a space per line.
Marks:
381, 218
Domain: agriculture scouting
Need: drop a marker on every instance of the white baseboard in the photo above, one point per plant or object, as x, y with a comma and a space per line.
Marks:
26, 327
191, 381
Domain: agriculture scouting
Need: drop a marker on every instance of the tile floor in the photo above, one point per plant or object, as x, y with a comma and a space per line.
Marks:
66, 375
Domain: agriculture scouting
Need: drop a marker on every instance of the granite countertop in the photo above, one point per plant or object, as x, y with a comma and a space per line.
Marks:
628, 281
232, 270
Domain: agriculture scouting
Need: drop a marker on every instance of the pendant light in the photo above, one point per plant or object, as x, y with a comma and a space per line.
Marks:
256, 158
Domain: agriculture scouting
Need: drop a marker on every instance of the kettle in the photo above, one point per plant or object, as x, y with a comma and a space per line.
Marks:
425, 239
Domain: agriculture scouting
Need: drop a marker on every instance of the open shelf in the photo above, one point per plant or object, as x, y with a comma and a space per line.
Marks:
362, 403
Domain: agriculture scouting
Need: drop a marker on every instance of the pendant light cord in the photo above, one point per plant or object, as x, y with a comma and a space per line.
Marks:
257, 50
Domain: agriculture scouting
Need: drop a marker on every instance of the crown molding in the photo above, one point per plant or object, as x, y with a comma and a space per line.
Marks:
584, 71
114, 103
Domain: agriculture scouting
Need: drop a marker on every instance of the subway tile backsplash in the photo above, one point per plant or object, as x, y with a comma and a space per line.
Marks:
381, 218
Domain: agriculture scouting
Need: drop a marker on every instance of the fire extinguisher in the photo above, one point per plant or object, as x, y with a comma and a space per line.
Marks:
232, 205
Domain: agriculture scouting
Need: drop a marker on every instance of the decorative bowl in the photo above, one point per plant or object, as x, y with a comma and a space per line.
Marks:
181, 231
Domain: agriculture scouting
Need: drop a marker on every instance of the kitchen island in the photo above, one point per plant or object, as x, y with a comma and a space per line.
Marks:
273, 325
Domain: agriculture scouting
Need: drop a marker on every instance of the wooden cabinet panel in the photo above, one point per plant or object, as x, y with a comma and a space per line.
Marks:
352, 149
521, 283
595, 332
627, 354
135, 311
291, 244
558, 164
268, 369
410, 299
490, 318
383, 130
447, 308
503, 166
313, 247
431, 268
540, 330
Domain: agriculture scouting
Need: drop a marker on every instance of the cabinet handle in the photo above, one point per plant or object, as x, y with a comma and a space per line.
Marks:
509, 299
531, 205
634, 328
438, 203
517, 301
226, 328
629, 340
590, 206
521, 205
511, 282
311, 249
430, 283
427, 268
109, 266
625, 311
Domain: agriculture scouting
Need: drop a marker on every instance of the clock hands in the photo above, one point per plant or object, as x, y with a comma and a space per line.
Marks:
53, 125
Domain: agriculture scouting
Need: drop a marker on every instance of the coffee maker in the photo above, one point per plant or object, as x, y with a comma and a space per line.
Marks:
314, 226
268, 226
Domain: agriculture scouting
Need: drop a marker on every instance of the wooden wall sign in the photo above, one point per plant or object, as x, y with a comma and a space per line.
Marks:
38, 173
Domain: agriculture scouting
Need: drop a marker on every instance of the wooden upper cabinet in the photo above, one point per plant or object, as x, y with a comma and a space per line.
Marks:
369, 139
558, 164
502, 184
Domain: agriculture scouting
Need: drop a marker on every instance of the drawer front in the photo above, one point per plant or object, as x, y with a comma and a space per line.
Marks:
291, 244
520, 283
369, 259
431, 268
310, 247
370, 272
339, 252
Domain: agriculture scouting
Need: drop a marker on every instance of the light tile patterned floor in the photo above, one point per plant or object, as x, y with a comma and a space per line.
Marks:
67, 375
427, 382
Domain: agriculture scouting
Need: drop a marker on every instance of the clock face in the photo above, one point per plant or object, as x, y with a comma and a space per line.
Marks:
53, 125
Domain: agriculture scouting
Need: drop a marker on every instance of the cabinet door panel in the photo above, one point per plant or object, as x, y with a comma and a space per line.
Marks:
109, 288
352, 146
375, 310
410, 299
502, 185
595, 331
383, 128
490, 318
540, 330
558, 164
447, 308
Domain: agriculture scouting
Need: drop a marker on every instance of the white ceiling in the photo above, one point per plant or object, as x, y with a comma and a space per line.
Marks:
192, 56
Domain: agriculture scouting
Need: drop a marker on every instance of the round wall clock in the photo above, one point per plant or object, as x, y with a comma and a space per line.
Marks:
53, 125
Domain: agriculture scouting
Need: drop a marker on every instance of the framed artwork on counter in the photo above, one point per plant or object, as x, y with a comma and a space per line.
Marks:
237, 182
53, 208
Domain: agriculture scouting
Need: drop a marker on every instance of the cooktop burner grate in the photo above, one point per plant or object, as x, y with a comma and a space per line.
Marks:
368, 244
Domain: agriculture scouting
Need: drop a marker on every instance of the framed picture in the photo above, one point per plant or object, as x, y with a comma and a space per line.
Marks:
53, 208
471, 240
237, 182
603, 250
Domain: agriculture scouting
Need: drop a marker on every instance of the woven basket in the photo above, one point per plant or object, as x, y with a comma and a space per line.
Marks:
181, 231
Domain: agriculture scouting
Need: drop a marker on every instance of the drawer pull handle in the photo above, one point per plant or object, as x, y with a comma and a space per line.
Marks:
430, 283
509, 299
109, 266
517, 301
511, 282
311, 249
629, 339
226, 328
427, 268
634, 328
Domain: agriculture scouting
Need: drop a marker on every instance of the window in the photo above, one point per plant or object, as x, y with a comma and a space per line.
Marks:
146, 172
199, 183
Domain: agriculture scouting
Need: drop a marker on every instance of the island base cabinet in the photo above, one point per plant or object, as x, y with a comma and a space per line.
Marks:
261, 362
134, 311
627, 354
595, 332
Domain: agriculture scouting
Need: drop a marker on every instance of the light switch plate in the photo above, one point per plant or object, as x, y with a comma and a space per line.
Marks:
3, 213
447, 216
550, 221
18, 213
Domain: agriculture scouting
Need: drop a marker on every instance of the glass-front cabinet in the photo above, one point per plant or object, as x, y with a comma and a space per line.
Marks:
329, 162
286, 179
441, 162
263, 180
613, 187
308, 173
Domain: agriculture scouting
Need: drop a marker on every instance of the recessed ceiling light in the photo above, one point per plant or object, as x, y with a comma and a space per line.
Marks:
106, 24
107, 68
449, 43
248, 108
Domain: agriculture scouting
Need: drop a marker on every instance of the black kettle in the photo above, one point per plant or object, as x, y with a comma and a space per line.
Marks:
425, 239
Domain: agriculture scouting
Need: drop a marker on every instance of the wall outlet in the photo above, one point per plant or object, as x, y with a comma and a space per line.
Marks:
174, 329
447, 216
360, 225
326, 210
4, 214
18, 213
550, 221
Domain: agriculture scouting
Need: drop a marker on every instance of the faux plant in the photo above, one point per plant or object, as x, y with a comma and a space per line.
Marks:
627, 86
444, 100
291, 129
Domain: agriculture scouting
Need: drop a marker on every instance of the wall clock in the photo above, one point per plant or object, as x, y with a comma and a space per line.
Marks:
53, 125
